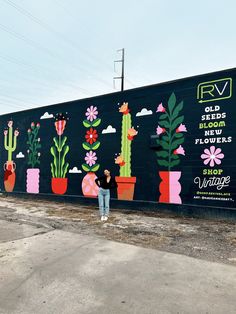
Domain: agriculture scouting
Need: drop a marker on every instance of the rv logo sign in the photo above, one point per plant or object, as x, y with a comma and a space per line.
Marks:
214, 90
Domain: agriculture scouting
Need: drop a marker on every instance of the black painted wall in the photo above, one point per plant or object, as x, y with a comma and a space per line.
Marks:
218, 97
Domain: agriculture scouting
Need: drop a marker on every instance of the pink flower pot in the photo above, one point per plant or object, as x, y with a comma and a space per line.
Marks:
170, 187
32, 183
89, 187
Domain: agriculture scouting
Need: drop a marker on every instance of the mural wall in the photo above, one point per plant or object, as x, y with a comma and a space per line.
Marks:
170, 143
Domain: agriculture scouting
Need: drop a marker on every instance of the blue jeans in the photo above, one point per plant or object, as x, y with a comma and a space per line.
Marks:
103, 201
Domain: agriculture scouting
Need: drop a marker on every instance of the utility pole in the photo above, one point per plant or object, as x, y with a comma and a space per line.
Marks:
122, 60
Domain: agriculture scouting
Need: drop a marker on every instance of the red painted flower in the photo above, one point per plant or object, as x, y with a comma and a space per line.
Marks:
91, 136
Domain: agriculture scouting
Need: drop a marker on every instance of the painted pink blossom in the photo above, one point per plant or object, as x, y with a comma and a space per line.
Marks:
90, 158
160, 108
91, 113
179, 151
16, 133
5, 132
160, 130
10, 123
212, 156
181, 128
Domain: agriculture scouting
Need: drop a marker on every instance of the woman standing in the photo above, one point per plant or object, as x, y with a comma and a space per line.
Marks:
105, 183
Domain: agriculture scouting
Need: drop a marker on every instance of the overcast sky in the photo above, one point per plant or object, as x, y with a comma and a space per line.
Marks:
58, 50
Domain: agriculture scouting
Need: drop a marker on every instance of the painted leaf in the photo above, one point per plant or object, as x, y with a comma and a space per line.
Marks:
163, 162
56, 143
86, 123
177, 142
95, 168
95, 145
52, 170
65, 169
163, 116
165, 138
176, 111
173, 156
164, 124
164, 144
86, 146
174, 163
162, 153
177, 122
171, 103
96, 122
85, 167
178, 135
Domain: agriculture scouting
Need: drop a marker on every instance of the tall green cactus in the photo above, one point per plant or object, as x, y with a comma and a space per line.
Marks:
10, 142
125, 171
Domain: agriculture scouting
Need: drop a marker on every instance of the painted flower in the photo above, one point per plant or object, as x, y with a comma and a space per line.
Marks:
5, 132
91, 113
181, 128
32, 124
60, 123
28, 151
16, 133
38, 125
39, 154
39, 139
132, 133
160, 130
120, 161
212, 156
179, 151
90, 158
29, 131
124, 108
10, 124
160, 108
91, 136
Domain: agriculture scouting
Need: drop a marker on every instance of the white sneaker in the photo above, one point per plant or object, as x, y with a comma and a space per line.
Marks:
102, 218
105, 218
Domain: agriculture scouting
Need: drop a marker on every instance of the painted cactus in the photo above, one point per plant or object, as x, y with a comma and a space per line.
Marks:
125, 181
59, 166
32, 181
10, 141
127, 136
91, 144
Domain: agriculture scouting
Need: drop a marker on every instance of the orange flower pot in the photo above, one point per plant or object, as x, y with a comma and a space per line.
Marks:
125, 190
9, 176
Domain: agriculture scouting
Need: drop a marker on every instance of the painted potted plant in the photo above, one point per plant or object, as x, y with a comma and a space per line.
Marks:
59, 166
89, 187
32, 181
125, 181
170, 130
10, 142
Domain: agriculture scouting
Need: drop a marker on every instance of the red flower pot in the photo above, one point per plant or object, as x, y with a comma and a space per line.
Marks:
170, 187
125, 190
59, 185
9, 176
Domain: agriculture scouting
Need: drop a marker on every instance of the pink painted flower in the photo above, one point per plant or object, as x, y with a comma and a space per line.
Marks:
16, 133
29, 131
179, 151
91, 113
160, 108
5, 132
38, 125
181, 128
212, 156
10, 124
90, 158
160, 130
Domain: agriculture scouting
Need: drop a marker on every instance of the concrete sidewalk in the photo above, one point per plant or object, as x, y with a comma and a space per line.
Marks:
63, 272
